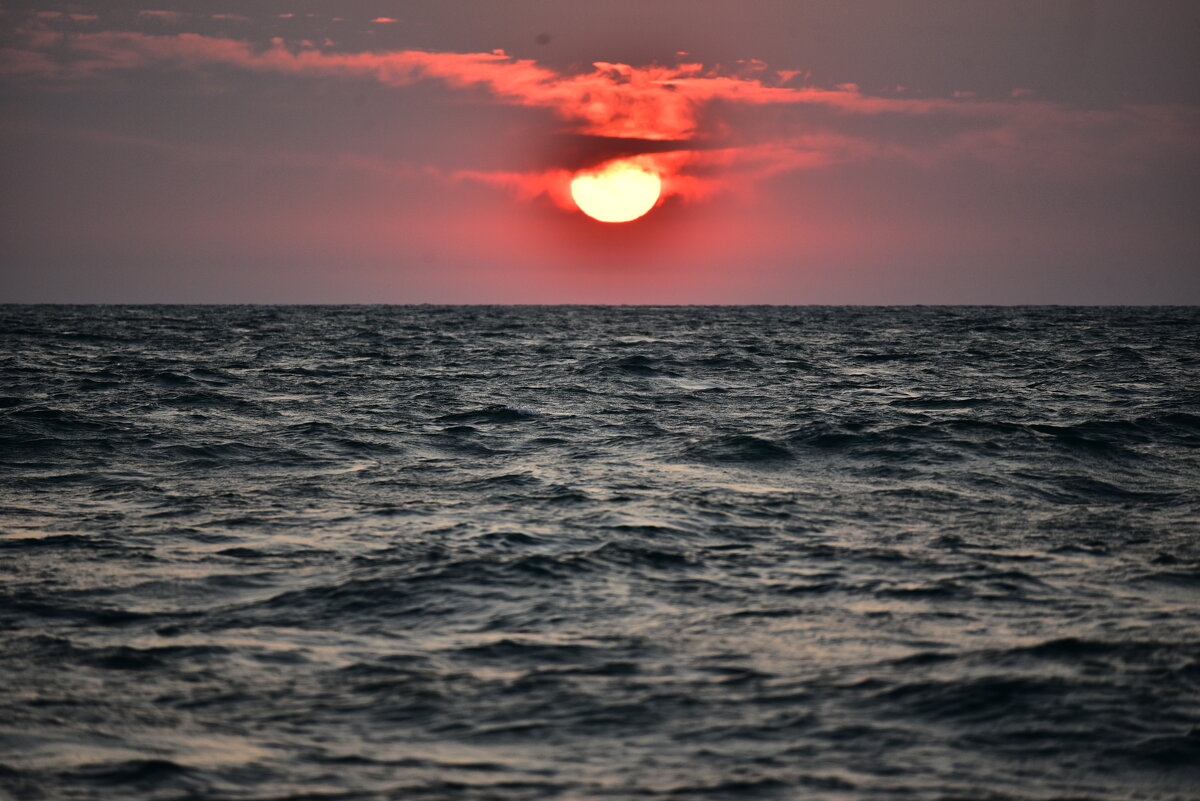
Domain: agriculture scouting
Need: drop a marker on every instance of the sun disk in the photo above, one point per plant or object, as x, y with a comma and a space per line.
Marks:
618, 192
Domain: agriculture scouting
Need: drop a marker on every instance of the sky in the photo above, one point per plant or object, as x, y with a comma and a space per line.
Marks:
864, 152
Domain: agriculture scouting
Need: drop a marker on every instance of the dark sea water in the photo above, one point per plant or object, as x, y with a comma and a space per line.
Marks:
599, 553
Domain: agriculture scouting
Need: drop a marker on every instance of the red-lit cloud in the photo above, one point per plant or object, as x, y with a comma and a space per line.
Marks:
166, 17
59, 15
674, 117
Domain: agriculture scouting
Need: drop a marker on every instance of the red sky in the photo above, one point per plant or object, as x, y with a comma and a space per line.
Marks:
923, 152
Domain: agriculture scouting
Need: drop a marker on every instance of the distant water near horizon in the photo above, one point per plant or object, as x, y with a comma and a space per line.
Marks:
570, 552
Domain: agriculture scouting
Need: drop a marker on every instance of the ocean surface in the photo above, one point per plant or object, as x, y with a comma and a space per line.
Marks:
614, 553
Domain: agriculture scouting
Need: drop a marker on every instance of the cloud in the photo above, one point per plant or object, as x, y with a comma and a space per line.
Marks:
202, 154
680, 120
164, 17
611, 99
60, 15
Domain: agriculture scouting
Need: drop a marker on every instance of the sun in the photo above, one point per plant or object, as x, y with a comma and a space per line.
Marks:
619, 191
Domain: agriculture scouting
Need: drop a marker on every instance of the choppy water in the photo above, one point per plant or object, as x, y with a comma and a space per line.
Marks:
599, 553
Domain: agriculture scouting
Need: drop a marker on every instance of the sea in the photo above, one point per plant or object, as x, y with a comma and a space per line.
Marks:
619, 553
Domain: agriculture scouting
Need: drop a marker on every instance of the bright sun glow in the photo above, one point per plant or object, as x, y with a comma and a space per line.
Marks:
620, 192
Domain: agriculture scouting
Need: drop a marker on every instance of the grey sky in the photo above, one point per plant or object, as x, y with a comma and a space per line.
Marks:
1026, 151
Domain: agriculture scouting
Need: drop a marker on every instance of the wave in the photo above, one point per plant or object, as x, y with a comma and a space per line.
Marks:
728, 551
490, 414
738, 448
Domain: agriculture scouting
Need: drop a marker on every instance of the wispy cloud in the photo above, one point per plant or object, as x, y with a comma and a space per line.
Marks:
164, 17
673, 116
61, 15
197, 153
